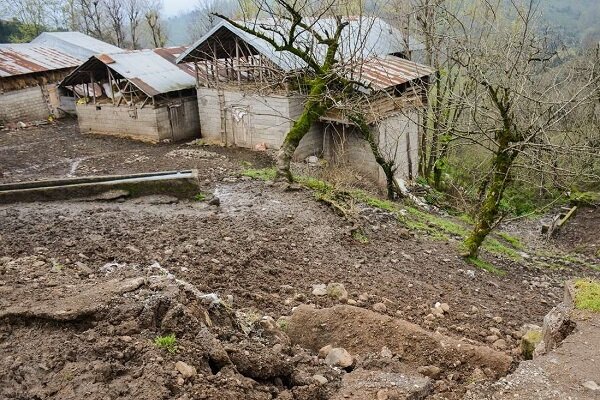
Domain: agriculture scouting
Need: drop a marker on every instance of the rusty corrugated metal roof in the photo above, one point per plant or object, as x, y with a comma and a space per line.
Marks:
388, 71
76, 44
27, 58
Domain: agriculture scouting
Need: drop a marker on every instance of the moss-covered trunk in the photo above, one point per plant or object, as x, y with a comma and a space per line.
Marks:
313, 110
490, 207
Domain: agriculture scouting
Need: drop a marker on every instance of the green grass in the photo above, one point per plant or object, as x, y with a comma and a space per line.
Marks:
263, 174
512, 240
484, 265
360, 237
495, 247
200, 197
168, 343
588, 295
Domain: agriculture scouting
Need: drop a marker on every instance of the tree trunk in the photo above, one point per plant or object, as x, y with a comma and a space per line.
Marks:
488, 212
313, 110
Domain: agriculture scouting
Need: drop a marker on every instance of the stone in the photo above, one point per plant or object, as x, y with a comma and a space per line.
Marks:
84, 269
591, 385
352, 302
320, 379
499, 344
491, 338
430, 371
557, 326
445, 307
529, 341
324, 351
186, 370
312, 160
363, 297
386, 352
497, 319
379, 307
337, 291
319, 290
474, 309
339, 357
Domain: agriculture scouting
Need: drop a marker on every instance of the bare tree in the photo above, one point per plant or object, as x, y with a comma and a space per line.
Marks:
115, 11
511, 110
134, 12
153, 19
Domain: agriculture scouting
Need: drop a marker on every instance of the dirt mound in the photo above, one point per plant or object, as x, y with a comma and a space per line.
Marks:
69, 334
362, 331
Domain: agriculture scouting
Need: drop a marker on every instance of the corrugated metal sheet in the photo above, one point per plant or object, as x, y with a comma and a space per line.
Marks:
388, 71
172, 53
26, 58
147, 70
76, 44
364, 37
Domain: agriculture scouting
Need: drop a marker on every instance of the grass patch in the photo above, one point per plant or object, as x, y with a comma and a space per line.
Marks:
375, 202
512, 240
263, 174
588, 295
200, 197
168, 343
495, 247
360, 237
486, 266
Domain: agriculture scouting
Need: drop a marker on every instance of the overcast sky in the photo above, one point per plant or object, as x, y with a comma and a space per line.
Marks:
175, 7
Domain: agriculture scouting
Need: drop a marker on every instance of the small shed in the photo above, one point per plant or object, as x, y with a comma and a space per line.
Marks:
135, 94
29, 74
249, 94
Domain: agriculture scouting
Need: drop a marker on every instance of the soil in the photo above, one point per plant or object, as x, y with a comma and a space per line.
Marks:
261, 251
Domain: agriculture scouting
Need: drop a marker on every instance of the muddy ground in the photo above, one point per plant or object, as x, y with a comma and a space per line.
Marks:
261, 251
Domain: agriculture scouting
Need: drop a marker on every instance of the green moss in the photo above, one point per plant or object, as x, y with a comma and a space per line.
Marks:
375, 202
484, 265
587, 296
168, 343
528, 343
263, 174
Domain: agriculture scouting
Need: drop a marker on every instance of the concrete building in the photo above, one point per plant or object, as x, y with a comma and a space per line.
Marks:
249, 94
135, 94
28, 78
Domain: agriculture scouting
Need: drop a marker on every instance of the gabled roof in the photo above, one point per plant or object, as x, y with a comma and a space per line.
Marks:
76, 44
364, 37
25, 58
147, 70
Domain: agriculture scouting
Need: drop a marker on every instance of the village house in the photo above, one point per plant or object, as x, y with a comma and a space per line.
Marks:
139, 94
30, 72
249, 94
28, 77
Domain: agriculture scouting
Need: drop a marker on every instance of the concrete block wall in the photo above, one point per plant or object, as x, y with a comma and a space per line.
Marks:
146, 124
23, 105
251, 119
397, 137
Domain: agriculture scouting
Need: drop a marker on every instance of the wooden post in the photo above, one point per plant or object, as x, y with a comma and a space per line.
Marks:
110, 84
237, 58
93, 87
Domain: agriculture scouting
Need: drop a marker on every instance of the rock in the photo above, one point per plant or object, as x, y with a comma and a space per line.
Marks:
497, 319
557, 326
363, 385
445, 307
529, 341
363, 297
339, 357
352, 302
591, 385
386, 352
320, 379
491, 338
39, 263
477, 375
474, 309
215, 201
324, 351
337, 291
312, 160
499, 344
301, 297
186, 370
430, 371
319, 290
84, 269
379, 307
